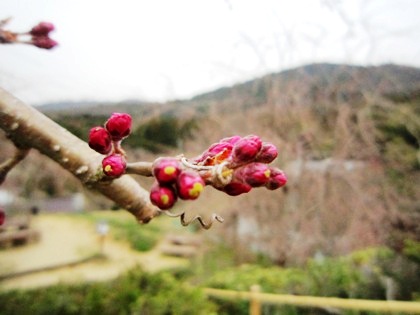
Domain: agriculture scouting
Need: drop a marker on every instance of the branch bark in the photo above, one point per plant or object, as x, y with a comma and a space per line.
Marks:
29, 128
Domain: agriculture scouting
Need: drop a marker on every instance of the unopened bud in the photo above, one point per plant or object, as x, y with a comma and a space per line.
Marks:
166, 170
267, 154
232, 140
44, 42
42, 29
163, 197
277, 179
2, 216
189, 185
254, 174
236, 188
216, 153
119, 126
114, 165
246, 149
100, 140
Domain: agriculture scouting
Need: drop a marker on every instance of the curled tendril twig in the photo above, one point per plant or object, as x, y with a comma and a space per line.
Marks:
214, 217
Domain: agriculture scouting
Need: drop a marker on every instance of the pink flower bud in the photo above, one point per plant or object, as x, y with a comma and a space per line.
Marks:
246, 149
254, 174
166, 170
100, 140
2, 216
163, 197
267, 154
114, 165
42, 29
236, 188
44, 42
119, 126
189, 185
232, 140
216, 153
277, 179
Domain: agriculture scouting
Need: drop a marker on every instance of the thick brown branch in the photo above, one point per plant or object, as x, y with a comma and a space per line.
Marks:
29, 128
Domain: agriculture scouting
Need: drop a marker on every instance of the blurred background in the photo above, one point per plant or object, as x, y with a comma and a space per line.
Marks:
335, 85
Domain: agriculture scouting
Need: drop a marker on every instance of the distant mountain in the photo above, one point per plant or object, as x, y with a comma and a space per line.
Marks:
305, 85
319, 81
94, 107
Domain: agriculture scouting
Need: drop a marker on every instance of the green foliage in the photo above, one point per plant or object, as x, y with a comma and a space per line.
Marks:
127, 229
80, 125
359, 275
134, 293
159, 134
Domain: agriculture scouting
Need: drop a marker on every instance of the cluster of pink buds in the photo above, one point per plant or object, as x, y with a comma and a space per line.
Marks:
107, 140
173, 181
233, 165
241, 163
38, 36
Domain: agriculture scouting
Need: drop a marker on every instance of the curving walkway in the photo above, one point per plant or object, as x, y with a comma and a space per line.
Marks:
74, 244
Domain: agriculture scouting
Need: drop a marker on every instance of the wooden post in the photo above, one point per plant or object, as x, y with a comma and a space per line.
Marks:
254, 303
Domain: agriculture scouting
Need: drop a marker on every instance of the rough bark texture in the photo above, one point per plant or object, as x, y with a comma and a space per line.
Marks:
28, 128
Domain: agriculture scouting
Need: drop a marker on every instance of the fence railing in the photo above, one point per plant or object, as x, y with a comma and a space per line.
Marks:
257, 298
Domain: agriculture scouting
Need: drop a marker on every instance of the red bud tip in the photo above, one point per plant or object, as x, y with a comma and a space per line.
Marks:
246, 149
119, 126
254, 174
267, 154
44, 42
42, 29
2, 216
166, 170
216, 153
236, 188
232, 140
100, 140
277, 179
163, 197
114, 165
189, 185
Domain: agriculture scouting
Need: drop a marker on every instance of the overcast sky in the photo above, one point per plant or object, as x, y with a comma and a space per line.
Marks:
166, 49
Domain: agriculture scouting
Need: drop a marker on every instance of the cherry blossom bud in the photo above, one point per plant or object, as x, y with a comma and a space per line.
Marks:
2, 216
232, 140
246, 149
119, 126
114, 165
277, 179
267, 154
166, 170
44, 42
236, 188
163, 197
100, 140
189, 185
42, 29
216, 153
254, 174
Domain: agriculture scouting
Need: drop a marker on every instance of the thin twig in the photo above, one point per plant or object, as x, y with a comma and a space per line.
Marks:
9, 164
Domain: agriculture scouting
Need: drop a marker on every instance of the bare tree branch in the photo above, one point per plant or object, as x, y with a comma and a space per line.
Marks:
28, 128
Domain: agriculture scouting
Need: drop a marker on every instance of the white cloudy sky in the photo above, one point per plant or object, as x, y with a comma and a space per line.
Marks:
166, 49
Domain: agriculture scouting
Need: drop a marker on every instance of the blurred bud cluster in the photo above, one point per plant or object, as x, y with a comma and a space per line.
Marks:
38, 36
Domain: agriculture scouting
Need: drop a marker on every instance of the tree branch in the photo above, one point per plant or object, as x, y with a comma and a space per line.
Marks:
28, 128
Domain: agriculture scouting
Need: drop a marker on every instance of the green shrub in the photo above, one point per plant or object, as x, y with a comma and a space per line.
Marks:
134, 293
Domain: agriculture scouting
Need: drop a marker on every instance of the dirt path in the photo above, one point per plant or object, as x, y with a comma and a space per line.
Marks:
65, 240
